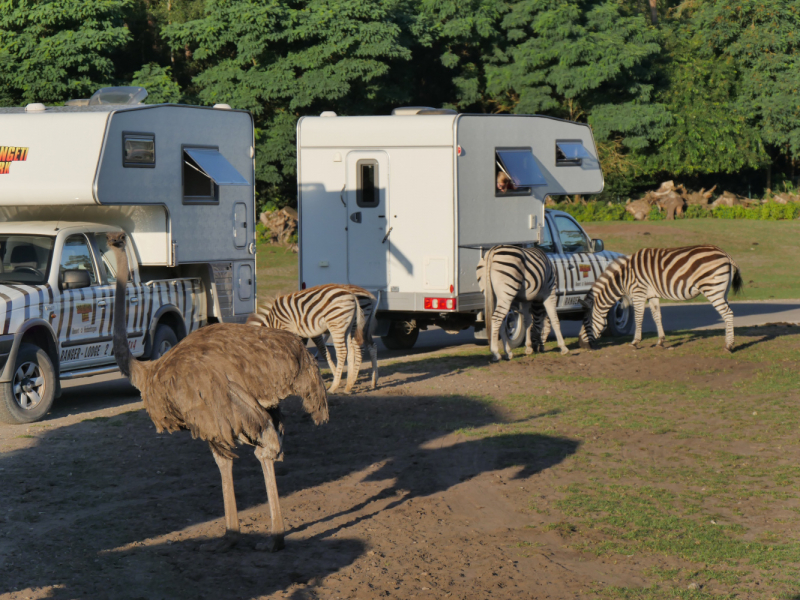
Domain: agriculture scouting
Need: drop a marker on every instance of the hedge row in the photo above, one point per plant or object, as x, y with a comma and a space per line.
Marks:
599, 211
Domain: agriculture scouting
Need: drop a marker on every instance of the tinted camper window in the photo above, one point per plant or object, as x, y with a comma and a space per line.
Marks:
367, 194
139, 150
516, 172
198, 187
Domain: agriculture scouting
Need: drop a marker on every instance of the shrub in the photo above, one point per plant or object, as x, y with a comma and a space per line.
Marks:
598, 211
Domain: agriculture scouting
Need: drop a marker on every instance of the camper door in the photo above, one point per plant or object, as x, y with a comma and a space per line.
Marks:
368, 218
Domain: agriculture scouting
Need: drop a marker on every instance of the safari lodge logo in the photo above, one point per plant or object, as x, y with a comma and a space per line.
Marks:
9, 154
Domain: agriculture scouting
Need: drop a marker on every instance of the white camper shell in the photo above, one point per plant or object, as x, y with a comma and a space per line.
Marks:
404, 205
179, 180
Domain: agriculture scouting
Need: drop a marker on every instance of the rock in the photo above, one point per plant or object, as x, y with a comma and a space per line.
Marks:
281, 224
727, 199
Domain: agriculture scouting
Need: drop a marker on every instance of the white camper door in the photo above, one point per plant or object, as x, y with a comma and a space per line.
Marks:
368, 219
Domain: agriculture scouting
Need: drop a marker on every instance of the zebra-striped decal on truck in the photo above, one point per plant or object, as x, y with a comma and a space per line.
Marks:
82, 319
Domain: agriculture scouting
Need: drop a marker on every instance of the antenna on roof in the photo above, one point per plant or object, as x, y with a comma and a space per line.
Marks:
118, 95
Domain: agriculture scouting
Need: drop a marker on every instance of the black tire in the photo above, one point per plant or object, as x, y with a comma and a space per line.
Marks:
29, 395
163, 341
621, 321
402, 335
515, 328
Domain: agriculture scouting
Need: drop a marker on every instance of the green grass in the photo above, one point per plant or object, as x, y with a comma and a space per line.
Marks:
767, 251
276, 270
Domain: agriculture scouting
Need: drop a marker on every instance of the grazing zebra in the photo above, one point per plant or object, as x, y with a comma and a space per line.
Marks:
314, 312
525, 275
369, 307
653, 273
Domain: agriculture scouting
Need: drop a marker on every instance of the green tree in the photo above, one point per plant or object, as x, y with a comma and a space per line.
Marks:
282, 60
53, 50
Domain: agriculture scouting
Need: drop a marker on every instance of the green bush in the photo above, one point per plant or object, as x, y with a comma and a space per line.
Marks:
598, 211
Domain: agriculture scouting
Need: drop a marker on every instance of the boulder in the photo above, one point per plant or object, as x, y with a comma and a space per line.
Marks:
281, 224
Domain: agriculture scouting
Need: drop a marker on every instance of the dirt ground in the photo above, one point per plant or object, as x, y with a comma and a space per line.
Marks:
443, 483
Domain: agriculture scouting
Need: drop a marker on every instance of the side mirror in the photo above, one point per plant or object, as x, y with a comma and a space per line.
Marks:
598, 246
74, 279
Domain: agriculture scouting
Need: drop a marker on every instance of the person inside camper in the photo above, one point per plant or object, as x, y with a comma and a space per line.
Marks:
504, 182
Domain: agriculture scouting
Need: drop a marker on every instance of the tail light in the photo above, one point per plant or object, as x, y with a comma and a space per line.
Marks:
440, 304
302, 287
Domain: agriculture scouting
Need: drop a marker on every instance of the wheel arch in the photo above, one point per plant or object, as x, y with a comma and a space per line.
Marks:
168, 315
40, 333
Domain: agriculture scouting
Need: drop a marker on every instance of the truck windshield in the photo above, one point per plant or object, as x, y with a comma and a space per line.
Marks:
25, 258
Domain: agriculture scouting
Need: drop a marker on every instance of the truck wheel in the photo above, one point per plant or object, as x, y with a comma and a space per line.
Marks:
621, 320
29, 395
163, 341
514, 325
402, 335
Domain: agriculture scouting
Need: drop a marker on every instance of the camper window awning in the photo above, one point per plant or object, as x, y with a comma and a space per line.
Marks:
571, 152
521, 167
216, 166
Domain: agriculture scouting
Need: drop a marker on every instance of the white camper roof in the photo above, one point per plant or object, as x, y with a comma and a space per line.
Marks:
379, 132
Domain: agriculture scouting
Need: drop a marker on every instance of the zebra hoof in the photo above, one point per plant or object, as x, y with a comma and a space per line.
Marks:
509, 357
729, 349
585, 345
494, 359
528, 351
564, 351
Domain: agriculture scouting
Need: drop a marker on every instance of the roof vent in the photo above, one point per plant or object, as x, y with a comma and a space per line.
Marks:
78, 102
405, 111
223, 106
125, 95
35, 107
327, 113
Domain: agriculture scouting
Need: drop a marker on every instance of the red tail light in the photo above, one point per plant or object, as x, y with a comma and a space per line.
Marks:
303, 286
440, 304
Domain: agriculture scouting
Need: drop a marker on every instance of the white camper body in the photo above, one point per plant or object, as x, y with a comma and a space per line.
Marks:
404, 204
178, 180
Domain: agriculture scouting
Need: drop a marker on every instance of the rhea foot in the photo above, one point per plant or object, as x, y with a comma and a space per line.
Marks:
223, 544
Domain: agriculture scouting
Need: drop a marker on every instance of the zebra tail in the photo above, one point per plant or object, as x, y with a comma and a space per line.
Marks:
373, 318
488, 294
256, 319
737, 284
359, 336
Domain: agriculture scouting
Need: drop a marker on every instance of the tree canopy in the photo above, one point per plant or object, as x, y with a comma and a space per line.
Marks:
697, 89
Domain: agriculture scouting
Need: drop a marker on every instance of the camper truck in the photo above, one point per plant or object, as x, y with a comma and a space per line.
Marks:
177, 179
405, 205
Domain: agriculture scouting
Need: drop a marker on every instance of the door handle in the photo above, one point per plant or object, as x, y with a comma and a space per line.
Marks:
134, 300
571, 266
386, 237
101, 303
356, 217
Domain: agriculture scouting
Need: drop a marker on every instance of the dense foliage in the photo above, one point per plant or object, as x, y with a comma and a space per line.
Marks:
707, 94
601, 211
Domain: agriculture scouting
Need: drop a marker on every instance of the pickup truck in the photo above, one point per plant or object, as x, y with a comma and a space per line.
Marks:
57, 287
579, 261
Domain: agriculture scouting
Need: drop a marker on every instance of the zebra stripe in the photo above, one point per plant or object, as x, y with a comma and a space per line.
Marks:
508, 274
314, 312
653, 273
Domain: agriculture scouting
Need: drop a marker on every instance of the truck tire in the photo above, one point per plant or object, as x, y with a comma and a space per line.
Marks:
29, 395
514, 325
621, 320
163, 341
402, 335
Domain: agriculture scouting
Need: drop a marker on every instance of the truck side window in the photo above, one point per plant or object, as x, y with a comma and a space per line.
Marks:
367, 192
547, 244
571, 235
516, 172
107, 259
76, 255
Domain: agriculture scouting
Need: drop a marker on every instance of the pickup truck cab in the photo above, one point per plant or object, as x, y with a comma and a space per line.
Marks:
57, 288
579, 261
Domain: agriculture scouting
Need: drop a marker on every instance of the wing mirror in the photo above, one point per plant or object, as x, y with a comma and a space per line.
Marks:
74, 279
598, 246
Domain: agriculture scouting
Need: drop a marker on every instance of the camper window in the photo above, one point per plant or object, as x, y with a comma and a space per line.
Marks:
139, 150
368, 193
198, 188
570, 153
516, 172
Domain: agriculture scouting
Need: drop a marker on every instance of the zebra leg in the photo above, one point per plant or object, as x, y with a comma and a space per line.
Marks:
340, 343
353, 363
319, 342
655, 310
373, 354
550, 307
719, 301
527, 323
545, 331
499, 315
540, 322
638, 315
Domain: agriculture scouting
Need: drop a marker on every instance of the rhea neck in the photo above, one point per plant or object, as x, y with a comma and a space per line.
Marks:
121, 351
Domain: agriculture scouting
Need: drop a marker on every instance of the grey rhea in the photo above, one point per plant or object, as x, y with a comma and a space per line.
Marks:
224, 383
507, 274
346, 312
653, 273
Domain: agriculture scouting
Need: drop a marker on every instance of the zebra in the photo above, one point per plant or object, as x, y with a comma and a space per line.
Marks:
317, 311
653, 273
524, 275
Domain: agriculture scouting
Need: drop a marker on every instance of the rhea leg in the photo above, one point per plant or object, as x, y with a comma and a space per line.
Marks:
655, 311
228, 495
267, 452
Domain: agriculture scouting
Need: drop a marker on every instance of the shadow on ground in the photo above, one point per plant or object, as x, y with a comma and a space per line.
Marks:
100, 508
